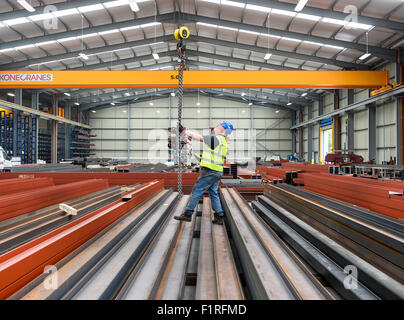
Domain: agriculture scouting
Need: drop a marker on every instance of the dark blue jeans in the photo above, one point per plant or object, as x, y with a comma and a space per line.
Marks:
208, 180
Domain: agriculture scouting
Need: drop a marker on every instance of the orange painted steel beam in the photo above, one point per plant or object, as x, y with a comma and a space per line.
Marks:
17, 185
16, 204
114, 178
23, 264
195, 79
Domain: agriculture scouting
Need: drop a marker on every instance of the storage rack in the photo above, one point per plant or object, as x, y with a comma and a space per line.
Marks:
82, 142
61, 143
44, 145
26, 126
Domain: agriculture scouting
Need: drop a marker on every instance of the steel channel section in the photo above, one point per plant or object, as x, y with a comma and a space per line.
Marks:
23, 264
106, 281
228, 283
327, 229
300, 282
206, 276
263, 276
387, 245
172, 284
81, 261
248, 258
317, 259
392, 225
145, 280
19, 238
377, 281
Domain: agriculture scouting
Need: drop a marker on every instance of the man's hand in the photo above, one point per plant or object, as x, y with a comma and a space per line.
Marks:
181, 128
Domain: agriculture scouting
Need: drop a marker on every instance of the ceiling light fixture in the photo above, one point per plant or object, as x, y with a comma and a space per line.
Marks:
198, 103
289, 103
156, 55
67, 94
172, 94
133, 5
277, 111
11, 94
300, 5
26, 5
112, 103
250, 104
304, 94
367, 54
93, 111
77, 104
268, 55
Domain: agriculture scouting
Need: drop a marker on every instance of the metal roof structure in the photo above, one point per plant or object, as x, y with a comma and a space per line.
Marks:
224, 35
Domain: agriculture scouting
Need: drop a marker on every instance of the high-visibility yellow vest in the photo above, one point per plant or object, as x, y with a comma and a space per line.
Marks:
214, 158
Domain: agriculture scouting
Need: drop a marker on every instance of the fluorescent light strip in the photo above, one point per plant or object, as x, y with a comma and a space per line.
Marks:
227, 3
26, 5
301, 4
62, 13
80, 37
133, 5
365, 56
270, 35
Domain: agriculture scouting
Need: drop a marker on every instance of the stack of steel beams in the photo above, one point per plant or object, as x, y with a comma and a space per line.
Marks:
275, 174
217, 276
332, 235
271, 269
9, 186
21, 229
24, 202
23, 264
380, 196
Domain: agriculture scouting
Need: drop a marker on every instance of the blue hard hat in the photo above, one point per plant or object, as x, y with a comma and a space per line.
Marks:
228, 126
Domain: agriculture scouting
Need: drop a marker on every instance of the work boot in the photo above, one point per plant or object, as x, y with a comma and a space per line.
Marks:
217, 219
183, 217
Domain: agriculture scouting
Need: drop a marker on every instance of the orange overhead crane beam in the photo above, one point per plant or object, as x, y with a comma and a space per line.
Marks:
195, 79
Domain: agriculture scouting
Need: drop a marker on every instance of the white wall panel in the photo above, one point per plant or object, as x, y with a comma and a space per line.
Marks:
144, 117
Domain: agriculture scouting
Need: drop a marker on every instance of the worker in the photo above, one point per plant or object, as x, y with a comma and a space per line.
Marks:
213, 156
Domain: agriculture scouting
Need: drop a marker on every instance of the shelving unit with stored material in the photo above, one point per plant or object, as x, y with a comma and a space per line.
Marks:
61, 144
18, 135
82, 144
6, 132
44, 145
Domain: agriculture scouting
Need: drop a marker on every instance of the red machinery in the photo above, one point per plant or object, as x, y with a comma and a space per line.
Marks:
343, 158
